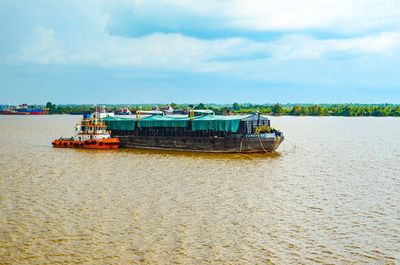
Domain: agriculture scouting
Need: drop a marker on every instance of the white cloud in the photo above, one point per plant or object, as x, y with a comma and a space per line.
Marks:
330, 15
179, 52
41, 48
92, 45
343, 16
163, 51
300, 46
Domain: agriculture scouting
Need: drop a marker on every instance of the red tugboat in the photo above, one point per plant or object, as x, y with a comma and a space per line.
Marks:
91, 133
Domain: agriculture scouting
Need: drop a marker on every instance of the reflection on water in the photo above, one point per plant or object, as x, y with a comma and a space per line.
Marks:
332, 198
201, 155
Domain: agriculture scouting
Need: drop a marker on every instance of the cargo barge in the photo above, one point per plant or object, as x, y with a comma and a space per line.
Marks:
199, 131
24, 109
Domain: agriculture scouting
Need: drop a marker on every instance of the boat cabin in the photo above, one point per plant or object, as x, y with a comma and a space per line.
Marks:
91, 128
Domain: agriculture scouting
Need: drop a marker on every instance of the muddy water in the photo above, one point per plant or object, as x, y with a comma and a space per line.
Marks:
331, 194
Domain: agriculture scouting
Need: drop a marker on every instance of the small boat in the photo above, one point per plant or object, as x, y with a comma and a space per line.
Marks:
90, 133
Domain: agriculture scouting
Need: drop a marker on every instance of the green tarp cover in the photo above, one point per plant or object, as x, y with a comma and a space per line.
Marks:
200, 123
163, 121
217, 123
117, 123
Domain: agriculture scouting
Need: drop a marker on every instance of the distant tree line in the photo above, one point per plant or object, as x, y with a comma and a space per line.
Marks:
378, 110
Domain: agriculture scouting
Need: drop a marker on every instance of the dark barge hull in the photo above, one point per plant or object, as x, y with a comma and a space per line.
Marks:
229, 144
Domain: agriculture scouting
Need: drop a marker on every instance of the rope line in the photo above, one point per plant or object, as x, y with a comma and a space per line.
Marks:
262, 146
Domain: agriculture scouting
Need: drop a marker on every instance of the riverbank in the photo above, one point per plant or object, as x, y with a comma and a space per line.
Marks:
347, 110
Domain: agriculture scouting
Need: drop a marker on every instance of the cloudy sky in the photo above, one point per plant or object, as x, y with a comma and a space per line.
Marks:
144, 51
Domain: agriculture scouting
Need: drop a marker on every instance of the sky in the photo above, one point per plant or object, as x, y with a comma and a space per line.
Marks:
211, 51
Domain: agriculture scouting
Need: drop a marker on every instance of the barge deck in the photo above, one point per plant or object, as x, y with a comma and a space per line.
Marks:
206, 133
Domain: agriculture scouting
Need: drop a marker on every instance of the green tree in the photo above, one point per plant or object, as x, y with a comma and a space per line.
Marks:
296, 110
236, 106
51, 107
200, 106
316, 110
277, 109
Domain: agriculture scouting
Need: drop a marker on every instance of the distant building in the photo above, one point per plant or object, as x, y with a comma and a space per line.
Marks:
123, 111
168, 110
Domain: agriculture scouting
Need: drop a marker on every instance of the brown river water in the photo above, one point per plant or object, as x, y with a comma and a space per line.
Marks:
330, 195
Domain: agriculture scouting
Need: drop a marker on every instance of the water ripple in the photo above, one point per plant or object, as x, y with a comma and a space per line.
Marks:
334, 199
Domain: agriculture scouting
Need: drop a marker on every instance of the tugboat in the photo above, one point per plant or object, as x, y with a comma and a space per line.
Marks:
90, 133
